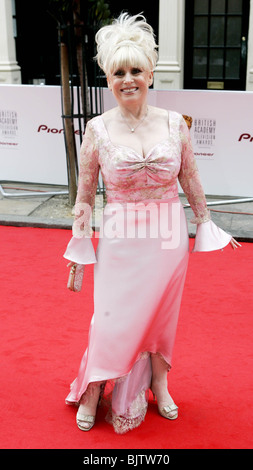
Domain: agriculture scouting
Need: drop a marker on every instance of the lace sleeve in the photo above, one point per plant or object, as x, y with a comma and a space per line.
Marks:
87, 185
189, 178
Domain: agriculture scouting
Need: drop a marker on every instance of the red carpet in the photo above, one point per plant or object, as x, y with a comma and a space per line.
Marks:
44, 331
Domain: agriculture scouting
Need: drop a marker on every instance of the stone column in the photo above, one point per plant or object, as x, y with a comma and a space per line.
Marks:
169, 71
249, 82
9, 69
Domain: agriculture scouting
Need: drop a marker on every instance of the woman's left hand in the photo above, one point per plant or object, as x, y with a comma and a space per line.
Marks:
234, 244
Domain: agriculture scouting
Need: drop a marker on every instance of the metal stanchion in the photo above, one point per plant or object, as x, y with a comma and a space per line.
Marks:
30, 192
226, 201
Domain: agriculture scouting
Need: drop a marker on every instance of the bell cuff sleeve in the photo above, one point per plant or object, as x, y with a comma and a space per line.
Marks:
80, 251
209, 237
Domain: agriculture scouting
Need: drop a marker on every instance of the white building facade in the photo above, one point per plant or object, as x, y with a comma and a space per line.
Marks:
169, 73
170, 70
10, 72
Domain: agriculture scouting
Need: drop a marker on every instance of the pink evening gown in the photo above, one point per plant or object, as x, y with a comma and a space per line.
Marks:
139, 271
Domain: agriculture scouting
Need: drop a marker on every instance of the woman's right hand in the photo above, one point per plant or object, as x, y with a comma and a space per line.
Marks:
72, 263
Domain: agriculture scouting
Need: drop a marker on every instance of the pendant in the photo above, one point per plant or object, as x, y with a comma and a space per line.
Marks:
132, 130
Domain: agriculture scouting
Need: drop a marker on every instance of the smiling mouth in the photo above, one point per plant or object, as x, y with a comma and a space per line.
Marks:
129, 91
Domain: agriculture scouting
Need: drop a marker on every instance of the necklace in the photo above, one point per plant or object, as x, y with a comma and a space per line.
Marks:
132, 129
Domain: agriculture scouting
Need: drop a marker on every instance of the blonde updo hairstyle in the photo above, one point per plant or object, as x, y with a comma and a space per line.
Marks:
128, 41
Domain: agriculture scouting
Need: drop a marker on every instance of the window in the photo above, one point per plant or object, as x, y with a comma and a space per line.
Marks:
216, 43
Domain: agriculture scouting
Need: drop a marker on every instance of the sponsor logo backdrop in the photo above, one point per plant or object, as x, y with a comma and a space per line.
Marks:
32, 139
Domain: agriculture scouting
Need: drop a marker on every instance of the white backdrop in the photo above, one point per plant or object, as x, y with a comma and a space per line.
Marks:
26, 153
32, 142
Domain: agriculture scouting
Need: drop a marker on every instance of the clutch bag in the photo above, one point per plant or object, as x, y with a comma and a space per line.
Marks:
75, 279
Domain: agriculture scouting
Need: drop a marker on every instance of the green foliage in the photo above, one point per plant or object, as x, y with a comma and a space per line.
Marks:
93, 12
99, 12
61, 10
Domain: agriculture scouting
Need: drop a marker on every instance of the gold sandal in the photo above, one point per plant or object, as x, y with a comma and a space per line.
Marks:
85, 422
167, 411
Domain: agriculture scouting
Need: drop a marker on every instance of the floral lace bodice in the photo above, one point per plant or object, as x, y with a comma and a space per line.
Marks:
130, 177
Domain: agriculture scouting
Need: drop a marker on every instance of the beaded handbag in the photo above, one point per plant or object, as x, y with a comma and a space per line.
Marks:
75, 279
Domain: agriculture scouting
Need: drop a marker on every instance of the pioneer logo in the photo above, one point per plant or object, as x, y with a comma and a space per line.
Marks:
48, 130
245, 137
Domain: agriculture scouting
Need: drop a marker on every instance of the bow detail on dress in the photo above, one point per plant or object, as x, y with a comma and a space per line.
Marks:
150, 164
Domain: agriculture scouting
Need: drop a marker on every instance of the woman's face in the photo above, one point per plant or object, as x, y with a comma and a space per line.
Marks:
130, 85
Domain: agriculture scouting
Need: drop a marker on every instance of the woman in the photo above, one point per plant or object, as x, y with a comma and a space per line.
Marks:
141, 264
